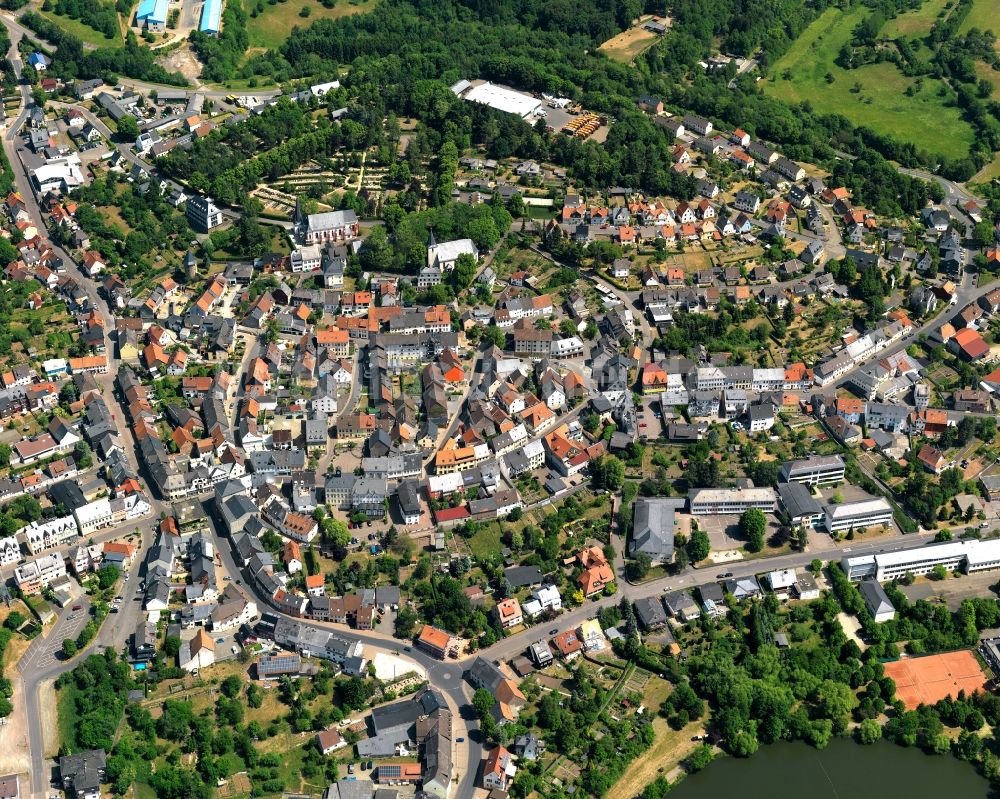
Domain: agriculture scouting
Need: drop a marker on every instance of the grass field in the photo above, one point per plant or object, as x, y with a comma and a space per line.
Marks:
83, 32
917, 22
67, 713
993, 76
989, 172
984, 16
487, 541
668, 749
923, 119
272, 26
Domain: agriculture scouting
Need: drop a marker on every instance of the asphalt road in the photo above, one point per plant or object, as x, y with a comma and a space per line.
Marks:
820, 548
39, 663
955, 196
118, 626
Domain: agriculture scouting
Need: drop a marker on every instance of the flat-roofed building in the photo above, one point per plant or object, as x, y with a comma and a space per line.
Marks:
504, 99
820, 470
857, 567
713, 501
916, 561
982, 555
9, 788
540, 654
874, 512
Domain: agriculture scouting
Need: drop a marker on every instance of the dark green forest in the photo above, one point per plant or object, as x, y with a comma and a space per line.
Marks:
405, 56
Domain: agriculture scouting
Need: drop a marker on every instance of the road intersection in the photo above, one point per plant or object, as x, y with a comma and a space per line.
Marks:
41, 663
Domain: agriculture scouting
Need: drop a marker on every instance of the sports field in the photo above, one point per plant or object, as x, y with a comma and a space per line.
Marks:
926, 680
873, 95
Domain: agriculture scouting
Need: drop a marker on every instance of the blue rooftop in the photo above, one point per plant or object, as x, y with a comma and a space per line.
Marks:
211, 16
152, 10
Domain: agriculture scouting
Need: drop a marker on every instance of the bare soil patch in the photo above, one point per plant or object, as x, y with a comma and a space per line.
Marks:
14, 736
626, 46
182, 60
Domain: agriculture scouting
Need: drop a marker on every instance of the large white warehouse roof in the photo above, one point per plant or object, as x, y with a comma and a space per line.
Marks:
503, 99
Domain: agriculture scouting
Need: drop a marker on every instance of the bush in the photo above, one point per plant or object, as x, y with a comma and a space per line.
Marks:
869, 731
14, 620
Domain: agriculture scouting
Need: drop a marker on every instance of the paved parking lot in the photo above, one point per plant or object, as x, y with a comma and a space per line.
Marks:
649, 425
953, 590
43, 652
722, 530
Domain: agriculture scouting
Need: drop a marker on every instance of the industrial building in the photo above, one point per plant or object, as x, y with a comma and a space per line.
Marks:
504, 99
152, 14
211, 17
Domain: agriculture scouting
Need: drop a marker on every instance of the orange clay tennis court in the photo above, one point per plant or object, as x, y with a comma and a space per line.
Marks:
926, 680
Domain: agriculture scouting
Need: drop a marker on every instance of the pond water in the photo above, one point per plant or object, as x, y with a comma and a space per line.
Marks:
844, 770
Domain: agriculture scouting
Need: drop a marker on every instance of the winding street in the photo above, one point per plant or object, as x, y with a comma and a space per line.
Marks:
955, 195
38, 666
444, 675
34, 671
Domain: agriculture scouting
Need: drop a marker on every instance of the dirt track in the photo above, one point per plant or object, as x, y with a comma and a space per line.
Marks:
14, 736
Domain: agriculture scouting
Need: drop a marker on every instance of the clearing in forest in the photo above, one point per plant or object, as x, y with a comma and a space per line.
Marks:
628, 45
274, 21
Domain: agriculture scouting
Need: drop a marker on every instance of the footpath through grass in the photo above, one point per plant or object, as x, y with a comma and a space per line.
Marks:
873, 95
